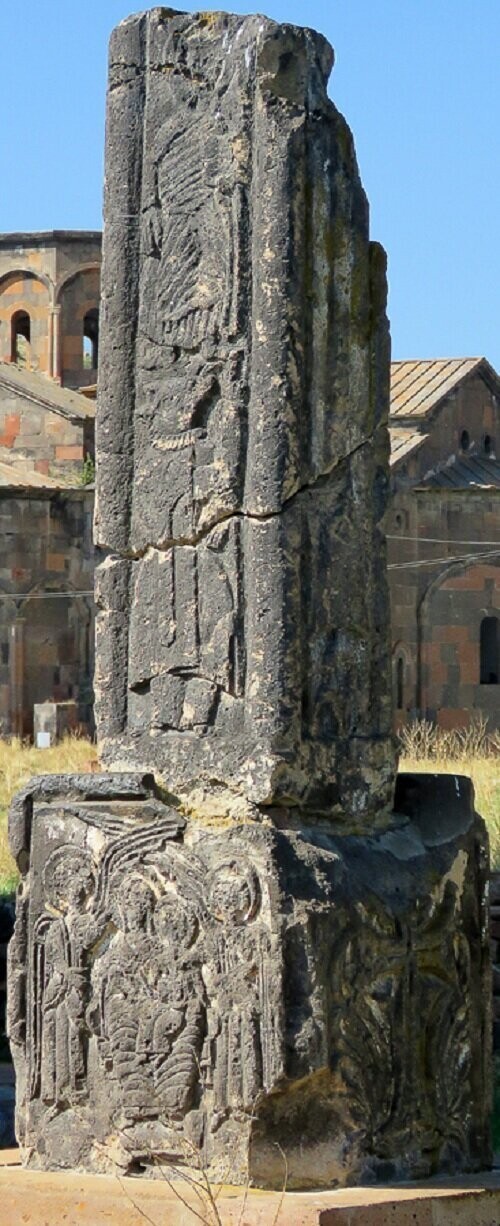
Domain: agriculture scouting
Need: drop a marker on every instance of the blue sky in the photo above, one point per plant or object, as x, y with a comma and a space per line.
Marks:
418, 81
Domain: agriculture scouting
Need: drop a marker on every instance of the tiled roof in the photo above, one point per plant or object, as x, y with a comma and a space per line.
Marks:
403, 441
416, 387
21, 476
465, 472
46, 392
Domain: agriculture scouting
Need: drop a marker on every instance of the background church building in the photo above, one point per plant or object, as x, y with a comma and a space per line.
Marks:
444, 540
49, 342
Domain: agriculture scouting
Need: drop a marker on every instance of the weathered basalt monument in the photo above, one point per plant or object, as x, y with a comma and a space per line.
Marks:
257, 961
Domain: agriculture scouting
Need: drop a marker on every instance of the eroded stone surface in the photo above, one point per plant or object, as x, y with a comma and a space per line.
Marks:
241, 436
250, 997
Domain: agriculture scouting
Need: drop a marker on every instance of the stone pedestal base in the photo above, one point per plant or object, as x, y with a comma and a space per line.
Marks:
275, 1005
31, 1198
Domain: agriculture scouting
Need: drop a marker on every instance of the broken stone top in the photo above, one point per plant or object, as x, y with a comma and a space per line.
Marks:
298, 64
242, 445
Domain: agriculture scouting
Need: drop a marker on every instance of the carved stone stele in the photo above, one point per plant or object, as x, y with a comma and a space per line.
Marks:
260, 966
247, 997
242, 640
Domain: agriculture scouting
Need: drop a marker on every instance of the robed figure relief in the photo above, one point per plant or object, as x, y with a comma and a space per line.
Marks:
60, 979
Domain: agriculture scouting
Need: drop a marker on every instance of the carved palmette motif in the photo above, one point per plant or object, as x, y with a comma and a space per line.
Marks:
405, 1025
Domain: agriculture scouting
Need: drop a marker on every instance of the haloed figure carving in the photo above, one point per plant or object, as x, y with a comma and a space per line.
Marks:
150, 1018
61, 978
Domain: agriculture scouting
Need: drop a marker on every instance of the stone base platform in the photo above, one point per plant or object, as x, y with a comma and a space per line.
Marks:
31, 1198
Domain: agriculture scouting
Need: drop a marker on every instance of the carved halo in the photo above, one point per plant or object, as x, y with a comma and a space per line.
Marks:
69, 877
176, 922
233, 892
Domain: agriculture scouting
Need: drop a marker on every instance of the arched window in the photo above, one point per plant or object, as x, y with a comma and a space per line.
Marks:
464, 440
20, 337
489, 668
400, 682
91, 339
487, 444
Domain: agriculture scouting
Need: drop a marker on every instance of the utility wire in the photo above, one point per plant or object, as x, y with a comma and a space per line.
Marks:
439, 540
464, 557
42, 595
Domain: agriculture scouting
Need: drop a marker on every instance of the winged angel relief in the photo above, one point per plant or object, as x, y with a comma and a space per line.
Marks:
150, 972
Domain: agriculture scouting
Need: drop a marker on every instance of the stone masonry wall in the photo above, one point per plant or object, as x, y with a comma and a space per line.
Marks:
436, 611
46, 643
52, 443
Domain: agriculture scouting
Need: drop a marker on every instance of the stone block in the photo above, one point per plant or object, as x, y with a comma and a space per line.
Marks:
65, 451
56, 561
36, 1199
301, 1000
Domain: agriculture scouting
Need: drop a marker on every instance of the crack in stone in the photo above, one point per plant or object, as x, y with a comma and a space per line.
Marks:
135, 555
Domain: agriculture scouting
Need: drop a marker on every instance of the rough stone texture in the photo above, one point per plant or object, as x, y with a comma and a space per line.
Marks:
249, 996
242, 438
301, 998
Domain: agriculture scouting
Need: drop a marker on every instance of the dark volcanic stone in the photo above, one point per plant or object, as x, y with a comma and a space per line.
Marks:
234, 995
241, 434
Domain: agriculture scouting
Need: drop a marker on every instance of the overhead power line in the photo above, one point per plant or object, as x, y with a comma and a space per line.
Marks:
439, 540
464, 557
42, 595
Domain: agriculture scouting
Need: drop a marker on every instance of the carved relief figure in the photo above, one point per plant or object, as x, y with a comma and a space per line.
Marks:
243, 1048
58, 1046
148, 1007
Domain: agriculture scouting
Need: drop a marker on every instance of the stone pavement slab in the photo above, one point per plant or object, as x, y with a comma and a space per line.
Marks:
30, 1198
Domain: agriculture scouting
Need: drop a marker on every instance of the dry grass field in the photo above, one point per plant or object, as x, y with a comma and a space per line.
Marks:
423, 748
471, 752
19, 761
